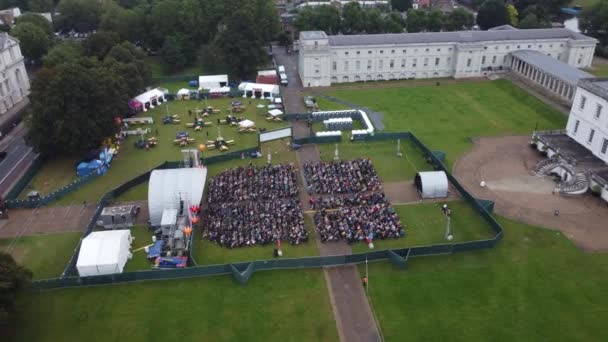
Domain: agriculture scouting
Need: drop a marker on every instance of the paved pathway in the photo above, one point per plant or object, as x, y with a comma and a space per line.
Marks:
23, 222
352, 311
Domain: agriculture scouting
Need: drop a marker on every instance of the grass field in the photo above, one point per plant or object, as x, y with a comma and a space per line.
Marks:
143, 237
446, 117
425, 225
274, 306
46, 255
534, 286
389, 167
600, 70
131, 162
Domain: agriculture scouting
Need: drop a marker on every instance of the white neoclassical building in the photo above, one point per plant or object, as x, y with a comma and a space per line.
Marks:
325, 60
14, 82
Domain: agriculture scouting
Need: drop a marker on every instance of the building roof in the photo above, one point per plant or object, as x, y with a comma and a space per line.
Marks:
449, 37
596, 85
313, 35
552, 66
502, 28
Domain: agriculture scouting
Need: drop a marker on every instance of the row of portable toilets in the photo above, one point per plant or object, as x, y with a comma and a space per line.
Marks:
325, 115
338, 124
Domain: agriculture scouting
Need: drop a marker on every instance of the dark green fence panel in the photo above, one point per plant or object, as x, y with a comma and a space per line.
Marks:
473, 245
486, 204
317, 140
244, 153
333, 260
440, 155
430, 250
355, 258
242, 276
397, 260
297, 116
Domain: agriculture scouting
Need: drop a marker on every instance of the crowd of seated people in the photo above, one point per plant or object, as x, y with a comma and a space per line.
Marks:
232, 224
337, 201
377, 221
250, 206
341, 177
250, 183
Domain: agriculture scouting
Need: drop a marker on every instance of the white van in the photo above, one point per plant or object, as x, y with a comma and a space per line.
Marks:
281, 69
283, 78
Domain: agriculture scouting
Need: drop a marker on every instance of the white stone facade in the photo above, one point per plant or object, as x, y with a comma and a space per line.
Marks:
326, 60
588, 120
14, 82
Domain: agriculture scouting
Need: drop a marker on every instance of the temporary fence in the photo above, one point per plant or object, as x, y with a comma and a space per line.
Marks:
243, 271
312, 139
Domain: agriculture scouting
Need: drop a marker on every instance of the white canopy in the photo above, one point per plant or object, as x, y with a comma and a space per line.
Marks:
264, 90
149, 96
275, 112
246, 123
167, 187
104, 252
212, 81
219, 90
432, 184
183, 91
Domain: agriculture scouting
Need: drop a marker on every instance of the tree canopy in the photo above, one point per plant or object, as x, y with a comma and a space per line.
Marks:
416, 20
492, 13
459, 19
34, 42
594, 21
13, 279
401, 5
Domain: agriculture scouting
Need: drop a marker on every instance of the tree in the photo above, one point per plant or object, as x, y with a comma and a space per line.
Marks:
37, 20
492, 13
353, 18
40, 5
459, 19
531, 21
171, 54
61, 124
13, 279
401, 5
394, 23
284, 39
78, 15
99, 44
241, 47
550, 7
415, 21
434, 21
63, 52
594, 21
513, 15
33, 40
328, 19
305, 19
373, 21
129, 62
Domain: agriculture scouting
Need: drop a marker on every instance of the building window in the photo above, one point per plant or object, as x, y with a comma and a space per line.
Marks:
508, 47
414, 62
576, 126
404, 51
427, 50
591, 134
358, 52
345, 65
426, 61
561, 45
550, 45
392, 64
580, 59
529, 46
316, 71
438, 50
493, 59
381, 51
449, 60
504, 59
485, 47
559, 56
450, 49
403, 62
468, 62
358, 65
518, 46
380, 64
437, 61
369, 64
346, 53
540, 46
598, 111
604, 146
334, 66
392, 51
496, 48
483, 60
316, 43
582, 104
369, 52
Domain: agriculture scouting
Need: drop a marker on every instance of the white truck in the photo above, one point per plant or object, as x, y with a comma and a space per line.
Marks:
283, 76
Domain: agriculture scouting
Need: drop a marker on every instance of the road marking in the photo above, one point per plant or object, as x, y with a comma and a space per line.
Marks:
15, 166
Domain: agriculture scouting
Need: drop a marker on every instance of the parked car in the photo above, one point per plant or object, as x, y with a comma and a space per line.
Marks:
309, 101
2, 155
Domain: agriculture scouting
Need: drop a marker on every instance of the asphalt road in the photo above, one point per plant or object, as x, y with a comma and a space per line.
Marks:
19, 157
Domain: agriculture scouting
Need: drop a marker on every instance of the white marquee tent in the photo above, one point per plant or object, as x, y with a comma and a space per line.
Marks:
104, 252
432, 184
246, 124
212, 82
150, 98
167, 187
260, 90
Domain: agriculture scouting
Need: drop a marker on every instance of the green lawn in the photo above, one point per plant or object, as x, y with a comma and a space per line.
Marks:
599, 70
209, 253
534, 286
274, 306
46, 255
388, 165
425, 225
131, 162
143, 237
446, 117
53, 174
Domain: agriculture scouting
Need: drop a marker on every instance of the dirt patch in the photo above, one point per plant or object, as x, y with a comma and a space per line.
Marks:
504, 163
405, 192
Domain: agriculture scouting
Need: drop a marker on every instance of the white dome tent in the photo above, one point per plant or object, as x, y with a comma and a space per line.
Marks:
167, 187
432, 184
104, 252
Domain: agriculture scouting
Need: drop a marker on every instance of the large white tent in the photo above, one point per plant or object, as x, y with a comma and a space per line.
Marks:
104, 252
432, 184
150, 98
167, 187
212, 82
260, 90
